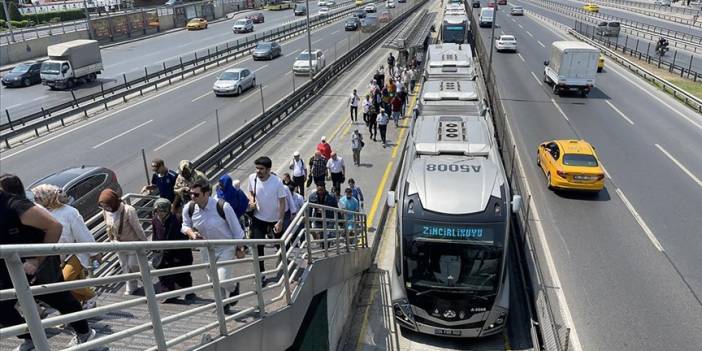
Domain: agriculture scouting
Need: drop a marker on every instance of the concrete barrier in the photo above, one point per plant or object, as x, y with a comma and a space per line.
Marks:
30, 49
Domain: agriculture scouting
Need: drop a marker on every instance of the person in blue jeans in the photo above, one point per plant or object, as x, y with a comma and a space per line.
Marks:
349, 203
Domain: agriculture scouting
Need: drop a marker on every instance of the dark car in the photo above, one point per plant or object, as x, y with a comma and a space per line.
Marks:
256, 17
300, 10
267, 50
83, 186
351, 24
359, 14
370, 24
476, 4
23, 75
502, 2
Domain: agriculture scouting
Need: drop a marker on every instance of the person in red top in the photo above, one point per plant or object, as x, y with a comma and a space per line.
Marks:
324, 148
396, 104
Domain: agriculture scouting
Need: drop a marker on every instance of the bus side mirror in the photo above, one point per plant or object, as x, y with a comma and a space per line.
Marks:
546, 63
391, 199
516, 203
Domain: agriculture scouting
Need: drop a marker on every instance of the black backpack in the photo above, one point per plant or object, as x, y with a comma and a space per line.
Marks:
220, 209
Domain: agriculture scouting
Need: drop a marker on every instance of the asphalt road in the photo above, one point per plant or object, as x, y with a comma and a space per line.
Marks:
173, 124
131, 58
628, 258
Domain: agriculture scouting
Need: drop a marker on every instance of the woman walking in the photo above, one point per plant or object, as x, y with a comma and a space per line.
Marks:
166, 223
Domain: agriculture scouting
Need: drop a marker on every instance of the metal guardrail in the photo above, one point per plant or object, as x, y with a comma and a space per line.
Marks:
689, 99
43, 119
688, 19
651, 6
307, 240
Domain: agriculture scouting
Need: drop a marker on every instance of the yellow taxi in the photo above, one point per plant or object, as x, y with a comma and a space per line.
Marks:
360, 2
196, 23
590, 7
570, 165
600, 63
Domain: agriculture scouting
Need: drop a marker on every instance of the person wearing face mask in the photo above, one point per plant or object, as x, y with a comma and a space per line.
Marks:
122, 224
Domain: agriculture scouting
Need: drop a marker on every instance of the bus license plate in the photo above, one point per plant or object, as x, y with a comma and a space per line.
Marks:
449, 332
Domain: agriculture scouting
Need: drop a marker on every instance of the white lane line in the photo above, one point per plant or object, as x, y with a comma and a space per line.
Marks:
334, 32
640, 220
521, 57
540, 43
201, 96
520, 26
12, 106
684, 169
537, 79
260, 68
292, 53
559, 109
180, 135
605, 171
513, 20
317, 41
619, 112
255, 92
531, 35
639, 85
40, 98
122, 134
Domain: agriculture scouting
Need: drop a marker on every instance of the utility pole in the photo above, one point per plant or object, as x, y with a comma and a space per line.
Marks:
7, 20
309, 38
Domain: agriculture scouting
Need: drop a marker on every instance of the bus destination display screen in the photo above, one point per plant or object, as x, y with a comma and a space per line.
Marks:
482, 234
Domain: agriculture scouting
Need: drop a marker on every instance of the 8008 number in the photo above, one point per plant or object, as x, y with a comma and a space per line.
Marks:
443, 167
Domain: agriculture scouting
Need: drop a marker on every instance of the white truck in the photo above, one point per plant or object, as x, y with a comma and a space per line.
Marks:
71, 63
572, 67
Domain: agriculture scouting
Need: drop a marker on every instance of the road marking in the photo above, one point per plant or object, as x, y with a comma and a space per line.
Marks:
540, 43
122, 134
531, 35
521, 57
15, 105
201, 96
538, 80
260, 68
605, 171
684, 169
640, 220
520, 26
180, 135
513, 20
559, 109
255, 92
40, 98
292, 53
379, 193
317, 41
619, 112
334, 32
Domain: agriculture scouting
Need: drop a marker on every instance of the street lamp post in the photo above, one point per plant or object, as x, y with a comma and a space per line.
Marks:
492, 42
309, 40
7, 19
87, 19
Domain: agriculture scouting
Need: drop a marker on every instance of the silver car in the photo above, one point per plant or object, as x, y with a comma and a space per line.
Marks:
233, 81
517, 11
244, 25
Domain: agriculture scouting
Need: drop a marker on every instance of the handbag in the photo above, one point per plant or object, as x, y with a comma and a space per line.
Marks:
49, 271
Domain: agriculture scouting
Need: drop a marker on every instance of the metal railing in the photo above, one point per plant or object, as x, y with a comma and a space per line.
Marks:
652, 6
136, 82
316, 233
669, 13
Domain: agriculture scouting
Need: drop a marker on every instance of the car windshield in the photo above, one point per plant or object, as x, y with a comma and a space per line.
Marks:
51, 67
518, 8
21, 68
579, 160
304, 56
507, 38
229, 76
455, 266
263, 46
241, 22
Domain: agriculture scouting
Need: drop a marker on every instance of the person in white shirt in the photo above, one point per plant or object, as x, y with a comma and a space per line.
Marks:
354, 101
74, 231
268, 199
299, 172
336, 167
206, 222
367, 103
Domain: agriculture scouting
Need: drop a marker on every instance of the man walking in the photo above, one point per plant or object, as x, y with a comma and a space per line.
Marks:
383, 120
210, 219
372, 122
324, 148
299, 173
318, 169
396, 106
353, 104
366, 109
391, 63
356, 146
162, 180
337, 168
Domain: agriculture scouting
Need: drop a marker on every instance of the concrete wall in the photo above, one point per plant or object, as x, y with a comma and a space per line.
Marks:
35, 48
339, 303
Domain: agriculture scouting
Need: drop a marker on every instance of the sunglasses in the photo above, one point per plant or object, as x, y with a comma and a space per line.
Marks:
195, 195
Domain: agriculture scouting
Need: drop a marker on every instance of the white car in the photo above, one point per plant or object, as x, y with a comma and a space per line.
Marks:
370, 8
506, 43
324, 11
321, 3
662, 2
390, 4
302, 62
243, 25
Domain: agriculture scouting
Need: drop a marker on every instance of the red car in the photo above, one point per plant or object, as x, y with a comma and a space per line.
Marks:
491, 4
256, 17
502, 2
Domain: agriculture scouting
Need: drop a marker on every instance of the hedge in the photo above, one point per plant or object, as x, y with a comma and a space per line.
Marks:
68, 15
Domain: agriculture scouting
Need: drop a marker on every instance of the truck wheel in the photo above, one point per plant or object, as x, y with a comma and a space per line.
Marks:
69, 84
92, 77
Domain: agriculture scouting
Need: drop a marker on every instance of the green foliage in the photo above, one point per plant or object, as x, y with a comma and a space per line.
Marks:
55, 17
12, 8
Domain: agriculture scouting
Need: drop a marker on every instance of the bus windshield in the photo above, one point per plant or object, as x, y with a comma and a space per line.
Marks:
437, 265
454, 33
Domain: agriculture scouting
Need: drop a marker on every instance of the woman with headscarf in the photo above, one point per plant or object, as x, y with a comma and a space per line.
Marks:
230, 192
122, 224
187, 175
74, 231
166, 224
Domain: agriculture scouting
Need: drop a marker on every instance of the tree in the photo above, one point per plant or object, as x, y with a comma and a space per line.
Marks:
13, 9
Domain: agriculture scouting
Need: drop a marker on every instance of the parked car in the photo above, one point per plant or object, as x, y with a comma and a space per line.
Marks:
517, 11
234, 81
324, 11
302, 62
359, 13
506, 43
385, 16
608, 29
23, 75
243, 25
369, 24
267, 50
83, 185
257, 17
476, 4
352, 24
196, 23
390, 4
300, 10
174, 2
370, 8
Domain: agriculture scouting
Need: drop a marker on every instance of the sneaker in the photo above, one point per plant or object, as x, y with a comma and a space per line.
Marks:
82, 339
190, 296
26, 345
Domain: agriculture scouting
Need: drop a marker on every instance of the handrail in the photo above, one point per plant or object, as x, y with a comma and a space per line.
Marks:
333, 236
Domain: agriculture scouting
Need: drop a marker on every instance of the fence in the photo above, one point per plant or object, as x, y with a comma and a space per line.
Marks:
687, 11
645, 51
316, 233
690, 18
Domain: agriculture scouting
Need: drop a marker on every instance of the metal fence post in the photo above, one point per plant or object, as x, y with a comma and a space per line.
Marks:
219, 138
336, 231
26, 300
672, 65
151, 302
259, 281
216, 290
309, 237
324, 231
9, 121
263, 106
286, 274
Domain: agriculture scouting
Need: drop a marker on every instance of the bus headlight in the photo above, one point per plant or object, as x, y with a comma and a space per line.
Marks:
403, 313
499, 321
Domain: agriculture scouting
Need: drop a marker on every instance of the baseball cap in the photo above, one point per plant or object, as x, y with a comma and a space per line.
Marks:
296, 153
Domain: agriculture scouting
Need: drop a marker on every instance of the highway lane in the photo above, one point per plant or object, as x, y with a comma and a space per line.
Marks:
173, 124
131, 58
622, 292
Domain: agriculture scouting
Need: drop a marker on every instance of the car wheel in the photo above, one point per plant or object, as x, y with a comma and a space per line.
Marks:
26, 82
538, 159
555, 89
253, 83
270, 57
238, 91
548, 181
